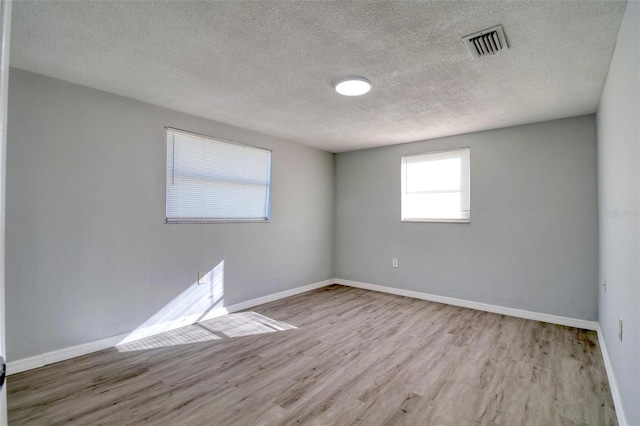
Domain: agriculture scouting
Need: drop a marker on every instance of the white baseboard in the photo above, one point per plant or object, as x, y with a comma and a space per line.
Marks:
17, 366
24, 364
537, 316
20, 365
86, 348
613, 383
272, 297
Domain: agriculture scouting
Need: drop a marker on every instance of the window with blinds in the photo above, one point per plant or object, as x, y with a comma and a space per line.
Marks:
436, 187
210, 180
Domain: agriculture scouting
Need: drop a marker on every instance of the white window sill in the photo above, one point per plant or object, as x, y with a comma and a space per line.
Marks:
436, 220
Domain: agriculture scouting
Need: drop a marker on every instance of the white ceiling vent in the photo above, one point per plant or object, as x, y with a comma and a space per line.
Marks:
486, 42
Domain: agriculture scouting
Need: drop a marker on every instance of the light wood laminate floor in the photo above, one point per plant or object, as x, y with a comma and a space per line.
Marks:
334, 356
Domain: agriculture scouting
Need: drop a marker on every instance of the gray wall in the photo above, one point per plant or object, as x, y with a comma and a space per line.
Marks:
532, 241
619, 199
88, 253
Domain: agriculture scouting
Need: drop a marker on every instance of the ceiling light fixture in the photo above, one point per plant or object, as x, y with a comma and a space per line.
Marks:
353, 86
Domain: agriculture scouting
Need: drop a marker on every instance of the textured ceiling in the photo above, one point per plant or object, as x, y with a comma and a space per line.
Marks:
269, 66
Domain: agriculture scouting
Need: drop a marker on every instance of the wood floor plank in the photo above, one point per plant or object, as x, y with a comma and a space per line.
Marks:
333, 356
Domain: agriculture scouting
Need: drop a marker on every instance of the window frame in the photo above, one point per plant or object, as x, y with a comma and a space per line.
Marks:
173, 221
403, 185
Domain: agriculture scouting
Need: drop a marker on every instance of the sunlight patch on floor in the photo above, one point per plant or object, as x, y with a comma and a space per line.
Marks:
223, 327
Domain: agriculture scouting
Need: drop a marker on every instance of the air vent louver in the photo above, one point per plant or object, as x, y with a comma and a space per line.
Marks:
486, 42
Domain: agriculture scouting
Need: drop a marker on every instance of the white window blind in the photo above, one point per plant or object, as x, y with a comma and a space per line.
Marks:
436, 187
214, 180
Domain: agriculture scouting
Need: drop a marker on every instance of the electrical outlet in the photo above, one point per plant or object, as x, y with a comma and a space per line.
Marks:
394, 262
604, 284
620, 328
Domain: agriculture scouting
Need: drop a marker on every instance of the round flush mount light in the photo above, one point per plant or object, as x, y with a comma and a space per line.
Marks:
353, 86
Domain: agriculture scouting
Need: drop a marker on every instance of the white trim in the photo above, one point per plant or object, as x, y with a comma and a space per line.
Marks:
260, 301
5, 30
613, 383
24, 364
83, 349
20, 365
277, 296
537, 316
